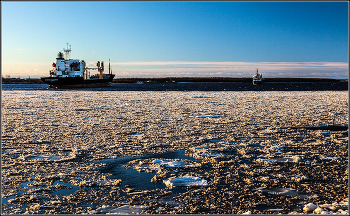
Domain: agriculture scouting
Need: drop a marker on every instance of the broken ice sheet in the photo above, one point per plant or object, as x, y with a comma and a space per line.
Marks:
123, 210
291, 159
168, 163
47, 158
279, 191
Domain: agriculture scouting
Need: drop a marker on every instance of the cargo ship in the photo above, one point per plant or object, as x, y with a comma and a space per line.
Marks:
257, 78
73, 73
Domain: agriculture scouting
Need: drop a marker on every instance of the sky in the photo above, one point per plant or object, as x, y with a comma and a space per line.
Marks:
179, 39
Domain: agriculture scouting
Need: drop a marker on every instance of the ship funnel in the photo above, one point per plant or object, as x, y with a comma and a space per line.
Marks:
60, 55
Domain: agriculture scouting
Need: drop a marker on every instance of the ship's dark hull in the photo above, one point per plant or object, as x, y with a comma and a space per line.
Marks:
257, 82
78, 82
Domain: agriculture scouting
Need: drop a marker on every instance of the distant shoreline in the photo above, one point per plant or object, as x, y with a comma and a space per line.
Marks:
190, 79
222, 79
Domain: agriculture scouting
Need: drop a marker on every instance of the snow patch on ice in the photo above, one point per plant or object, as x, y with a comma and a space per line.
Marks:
292, 159
207, 116
309, 207
280, 191
136, 135
127, 209
167, 163
47, 158
189, 181
329, 158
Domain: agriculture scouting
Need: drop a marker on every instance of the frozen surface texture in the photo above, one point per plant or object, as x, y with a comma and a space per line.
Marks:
249, 152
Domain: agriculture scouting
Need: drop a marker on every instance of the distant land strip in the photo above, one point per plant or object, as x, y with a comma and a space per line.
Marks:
191, 79
222, 79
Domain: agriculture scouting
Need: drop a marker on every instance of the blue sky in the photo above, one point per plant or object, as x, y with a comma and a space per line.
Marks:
162, 39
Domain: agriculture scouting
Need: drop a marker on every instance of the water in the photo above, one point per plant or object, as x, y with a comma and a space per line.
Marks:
131, 177
65, 191
27, 87
197, 86
61, 192
113, 87
35, 87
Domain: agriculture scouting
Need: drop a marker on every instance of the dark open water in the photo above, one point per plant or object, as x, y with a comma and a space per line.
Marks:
198, 86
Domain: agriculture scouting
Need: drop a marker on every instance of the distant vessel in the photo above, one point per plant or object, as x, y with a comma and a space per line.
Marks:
257, 78
72, 73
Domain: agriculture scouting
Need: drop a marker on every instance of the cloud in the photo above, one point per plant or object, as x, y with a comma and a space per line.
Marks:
231, 69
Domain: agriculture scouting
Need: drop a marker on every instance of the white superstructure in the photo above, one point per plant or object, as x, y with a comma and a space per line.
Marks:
66, 67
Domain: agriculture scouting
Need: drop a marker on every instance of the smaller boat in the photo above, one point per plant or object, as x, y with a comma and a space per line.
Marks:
257, 78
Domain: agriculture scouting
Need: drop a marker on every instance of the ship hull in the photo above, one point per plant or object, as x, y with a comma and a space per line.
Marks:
257, 82
78, 82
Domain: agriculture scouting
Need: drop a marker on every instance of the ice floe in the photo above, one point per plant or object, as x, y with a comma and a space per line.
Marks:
122, 210
279, 191
309, 207
157, 165
207, 116
168, 163
127, 209
187, 181
47, 158
290, 159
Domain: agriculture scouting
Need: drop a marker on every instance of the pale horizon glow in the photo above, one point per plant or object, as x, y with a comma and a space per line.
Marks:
336, 70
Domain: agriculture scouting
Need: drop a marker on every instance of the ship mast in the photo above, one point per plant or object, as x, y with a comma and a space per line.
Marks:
109, 66
67, 51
